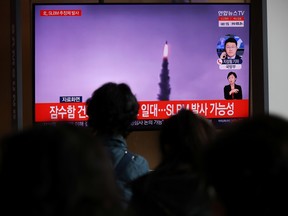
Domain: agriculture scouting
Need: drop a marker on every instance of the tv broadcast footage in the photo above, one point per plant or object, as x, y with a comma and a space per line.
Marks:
173, 56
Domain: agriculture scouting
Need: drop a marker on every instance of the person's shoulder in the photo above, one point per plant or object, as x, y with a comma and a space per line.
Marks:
115, 142
138, 164
139, 160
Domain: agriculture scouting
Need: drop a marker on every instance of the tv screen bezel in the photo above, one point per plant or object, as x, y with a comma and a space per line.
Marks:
153, 127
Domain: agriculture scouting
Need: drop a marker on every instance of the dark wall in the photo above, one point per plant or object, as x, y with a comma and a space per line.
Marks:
5, 71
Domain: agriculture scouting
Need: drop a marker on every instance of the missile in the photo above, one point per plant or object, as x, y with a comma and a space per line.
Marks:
165, 51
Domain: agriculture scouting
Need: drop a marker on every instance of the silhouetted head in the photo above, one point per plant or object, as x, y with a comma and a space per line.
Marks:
183, 138
248, 166
56, 170
111, 109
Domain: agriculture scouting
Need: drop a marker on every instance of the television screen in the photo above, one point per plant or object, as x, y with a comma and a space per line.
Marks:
173, 56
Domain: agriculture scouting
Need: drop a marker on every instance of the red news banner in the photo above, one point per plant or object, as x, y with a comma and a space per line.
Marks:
60, 12
51, 112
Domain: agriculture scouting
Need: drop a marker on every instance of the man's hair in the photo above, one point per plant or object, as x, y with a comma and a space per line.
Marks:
112, 108
230, 40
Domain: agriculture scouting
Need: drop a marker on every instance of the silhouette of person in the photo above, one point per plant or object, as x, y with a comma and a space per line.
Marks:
56, 170
177, 185
111, 110
247, 166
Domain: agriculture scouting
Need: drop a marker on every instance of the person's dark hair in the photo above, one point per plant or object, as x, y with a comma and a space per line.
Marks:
112, 108
230, 40
177, 185
248, 166
183, 138
56, 170
232, 73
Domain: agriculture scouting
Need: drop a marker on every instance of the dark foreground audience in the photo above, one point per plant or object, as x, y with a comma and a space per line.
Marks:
56, 170
111, 110
177, 186
248, 167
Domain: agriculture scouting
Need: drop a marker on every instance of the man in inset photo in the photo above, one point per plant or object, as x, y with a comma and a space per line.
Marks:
230, 49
